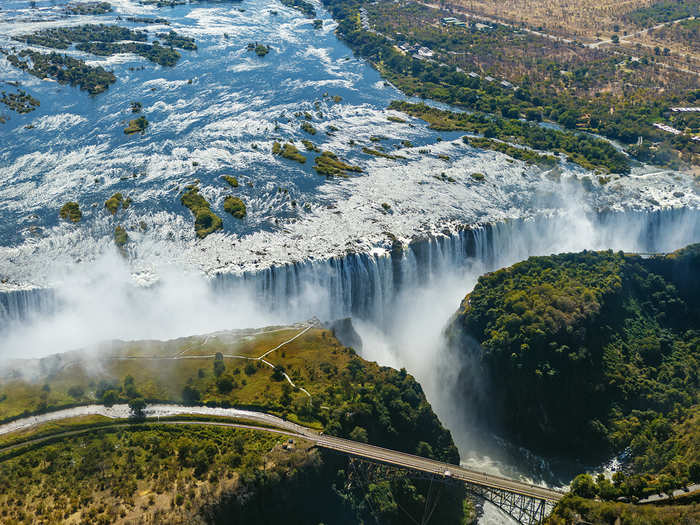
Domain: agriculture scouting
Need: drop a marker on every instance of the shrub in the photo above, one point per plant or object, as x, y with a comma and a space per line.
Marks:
76, 391
584, 486
71, 212
190, 394
235, 207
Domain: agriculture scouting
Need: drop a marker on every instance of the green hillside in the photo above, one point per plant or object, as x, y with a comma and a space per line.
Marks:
203, 474
591, 354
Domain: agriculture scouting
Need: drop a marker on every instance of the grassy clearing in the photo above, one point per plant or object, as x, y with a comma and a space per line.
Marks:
312, 361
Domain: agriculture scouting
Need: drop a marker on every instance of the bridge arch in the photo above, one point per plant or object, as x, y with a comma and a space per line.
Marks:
525, 509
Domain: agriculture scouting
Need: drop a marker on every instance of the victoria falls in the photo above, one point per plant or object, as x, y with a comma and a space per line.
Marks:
349, 262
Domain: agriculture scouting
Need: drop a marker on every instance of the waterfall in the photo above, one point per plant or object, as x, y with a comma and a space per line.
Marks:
17, 305
366, 285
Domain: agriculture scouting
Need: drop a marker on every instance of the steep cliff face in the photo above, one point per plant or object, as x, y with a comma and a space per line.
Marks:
583, 352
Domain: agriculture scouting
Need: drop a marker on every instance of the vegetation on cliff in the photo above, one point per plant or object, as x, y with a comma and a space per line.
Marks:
574, 509
206, 474
594, 353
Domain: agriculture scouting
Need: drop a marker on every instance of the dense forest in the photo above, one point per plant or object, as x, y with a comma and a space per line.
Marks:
593, 353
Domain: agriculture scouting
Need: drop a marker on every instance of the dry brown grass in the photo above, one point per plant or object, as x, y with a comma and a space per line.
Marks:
583, 19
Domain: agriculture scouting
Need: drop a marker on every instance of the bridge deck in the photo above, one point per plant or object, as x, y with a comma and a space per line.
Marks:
437, 468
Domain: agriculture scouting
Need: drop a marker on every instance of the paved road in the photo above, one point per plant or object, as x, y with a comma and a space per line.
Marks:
279, 425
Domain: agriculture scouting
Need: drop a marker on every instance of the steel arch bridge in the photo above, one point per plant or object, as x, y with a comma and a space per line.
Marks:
524, 508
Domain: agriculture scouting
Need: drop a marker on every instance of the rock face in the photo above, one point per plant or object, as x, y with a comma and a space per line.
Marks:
581, 352
344, 331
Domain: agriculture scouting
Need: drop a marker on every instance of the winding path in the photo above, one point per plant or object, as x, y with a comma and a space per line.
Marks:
312, 323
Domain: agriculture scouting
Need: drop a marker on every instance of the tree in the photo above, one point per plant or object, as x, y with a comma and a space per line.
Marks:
359, 434
137, 407
605, 488
201, 462
110, 397
278, 374
694, 472
584, 486
224, 384
424, 449
190, 394
286, 397
219, 367
130, 388
76, 391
